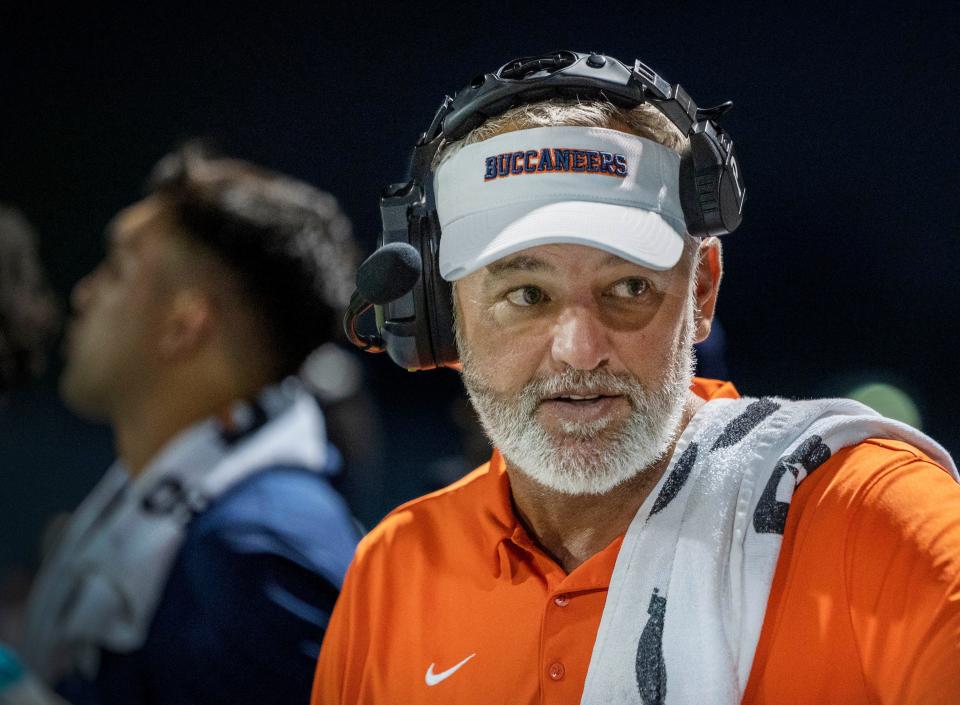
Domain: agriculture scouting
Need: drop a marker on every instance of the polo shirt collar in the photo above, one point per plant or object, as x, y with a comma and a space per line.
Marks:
510, 542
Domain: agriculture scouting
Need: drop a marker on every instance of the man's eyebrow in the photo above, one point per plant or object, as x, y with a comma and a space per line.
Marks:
521, 263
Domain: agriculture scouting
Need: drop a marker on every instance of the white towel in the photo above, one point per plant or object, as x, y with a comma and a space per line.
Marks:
690, 586
101, 585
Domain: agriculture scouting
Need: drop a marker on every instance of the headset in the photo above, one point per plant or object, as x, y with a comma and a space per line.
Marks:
401, 281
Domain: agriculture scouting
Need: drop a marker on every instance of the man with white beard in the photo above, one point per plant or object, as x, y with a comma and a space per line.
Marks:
629, 540
591, 457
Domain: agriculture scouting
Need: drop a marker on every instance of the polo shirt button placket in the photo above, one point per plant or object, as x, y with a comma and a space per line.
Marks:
561, 600
556, 671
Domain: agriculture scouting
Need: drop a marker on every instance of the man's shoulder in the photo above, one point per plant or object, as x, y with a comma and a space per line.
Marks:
275, 494
875, 474
449, 507
436, 521
289, 512
890, 447
874, 457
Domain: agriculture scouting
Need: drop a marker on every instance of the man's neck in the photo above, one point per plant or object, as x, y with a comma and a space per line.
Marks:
573, 528
139, 438
141, 431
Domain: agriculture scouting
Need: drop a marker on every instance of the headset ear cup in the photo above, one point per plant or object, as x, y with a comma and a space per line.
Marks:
434, 343
422, 319
710, 189
689, 200
444, 341
705, 166
731, 194
440, 300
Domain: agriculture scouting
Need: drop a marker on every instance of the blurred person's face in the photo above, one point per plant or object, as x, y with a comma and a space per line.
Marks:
112, 341
579, 362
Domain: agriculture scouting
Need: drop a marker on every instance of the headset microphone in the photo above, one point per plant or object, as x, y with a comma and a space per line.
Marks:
389, 273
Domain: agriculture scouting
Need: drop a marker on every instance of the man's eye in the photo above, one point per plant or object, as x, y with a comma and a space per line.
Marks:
630, 288
526, 296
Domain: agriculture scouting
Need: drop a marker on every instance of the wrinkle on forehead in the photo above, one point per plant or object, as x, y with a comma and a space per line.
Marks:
531, 263
518, 263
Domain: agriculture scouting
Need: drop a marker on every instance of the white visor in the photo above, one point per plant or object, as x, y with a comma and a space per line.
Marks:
547, 185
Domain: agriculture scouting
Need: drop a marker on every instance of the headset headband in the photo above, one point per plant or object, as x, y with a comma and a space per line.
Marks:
565, 74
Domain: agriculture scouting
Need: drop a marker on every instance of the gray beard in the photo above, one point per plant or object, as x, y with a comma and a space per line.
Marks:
592, 457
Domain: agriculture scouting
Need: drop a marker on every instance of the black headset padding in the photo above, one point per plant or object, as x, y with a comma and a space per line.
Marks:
435, 343
438, 305
433, 322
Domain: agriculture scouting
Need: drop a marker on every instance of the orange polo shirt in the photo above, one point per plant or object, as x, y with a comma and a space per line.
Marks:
449, 601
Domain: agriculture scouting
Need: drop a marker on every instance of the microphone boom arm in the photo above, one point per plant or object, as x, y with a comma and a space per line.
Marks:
359, 306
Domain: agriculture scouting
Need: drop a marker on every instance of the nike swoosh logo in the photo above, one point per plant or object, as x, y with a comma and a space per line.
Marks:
433, 678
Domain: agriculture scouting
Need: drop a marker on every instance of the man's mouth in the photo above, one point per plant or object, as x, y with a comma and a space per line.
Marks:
569, 397
583, 407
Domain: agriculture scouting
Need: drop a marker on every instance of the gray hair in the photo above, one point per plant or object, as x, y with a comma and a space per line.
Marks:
644, 121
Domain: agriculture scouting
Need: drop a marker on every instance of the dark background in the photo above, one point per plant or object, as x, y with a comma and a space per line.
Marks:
843, 271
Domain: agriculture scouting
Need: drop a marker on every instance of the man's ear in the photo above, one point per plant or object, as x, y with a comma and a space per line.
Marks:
186, 325
709, 272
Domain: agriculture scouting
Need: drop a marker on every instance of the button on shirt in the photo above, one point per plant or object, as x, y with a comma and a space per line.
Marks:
568, 609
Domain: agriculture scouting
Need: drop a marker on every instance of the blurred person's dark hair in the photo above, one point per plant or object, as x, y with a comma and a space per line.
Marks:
289, 243
29, 315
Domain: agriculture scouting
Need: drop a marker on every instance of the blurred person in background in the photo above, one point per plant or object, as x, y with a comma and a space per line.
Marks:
203, 567
29, 319
29, 315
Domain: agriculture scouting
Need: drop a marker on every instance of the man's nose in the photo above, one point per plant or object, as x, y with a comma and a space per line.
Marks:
81, 292
580, 339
